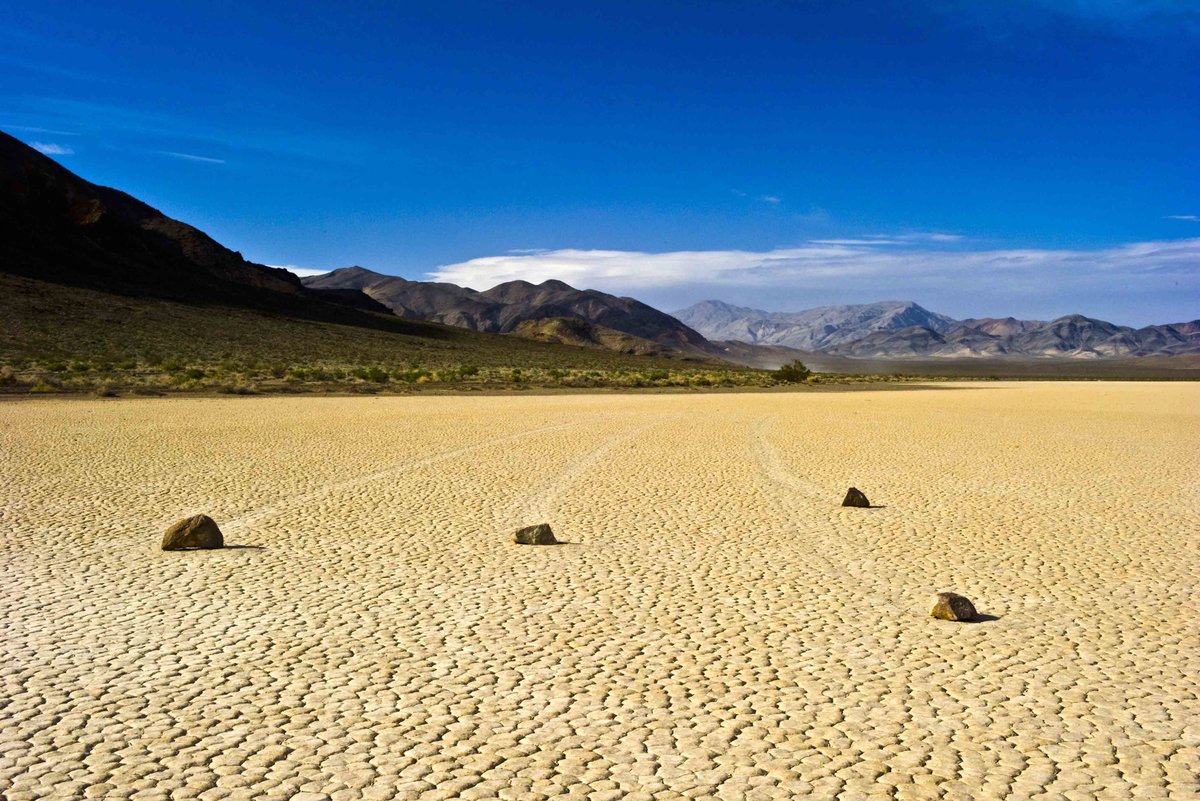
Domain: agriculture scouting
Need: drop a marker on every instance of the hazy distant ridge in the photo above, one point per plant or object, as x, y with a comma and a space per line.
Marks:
811, 329
905, 330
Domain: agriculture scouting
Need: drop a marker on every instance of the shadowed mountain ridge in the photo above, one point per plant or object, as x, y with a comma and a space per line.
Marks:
506, 306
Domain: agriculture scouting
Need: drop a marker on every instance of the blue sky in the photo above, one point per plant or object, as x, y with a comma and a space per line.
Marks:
1026, 157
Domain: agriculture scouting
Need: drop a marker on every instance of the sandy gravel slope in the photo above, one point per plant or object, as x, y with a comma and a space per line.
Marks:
718, 627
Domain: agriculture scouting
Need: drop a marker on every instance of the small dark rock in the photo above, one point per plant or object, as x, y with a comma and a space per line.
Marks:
854, 497
952, 606
199, 531
541, 534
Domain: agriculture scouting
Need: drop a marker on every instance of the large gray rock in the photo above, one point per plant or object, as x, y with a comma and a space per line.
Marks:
952, 606
198, 531
541, 534
855, 497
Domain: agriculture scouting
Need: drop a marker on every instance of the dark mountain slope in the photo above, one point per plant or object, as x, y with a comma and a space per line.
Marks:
55, 226
59, 228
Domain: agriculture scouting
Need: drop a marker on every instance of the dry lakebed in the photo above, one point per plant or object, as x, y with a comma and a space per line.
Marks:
713, 625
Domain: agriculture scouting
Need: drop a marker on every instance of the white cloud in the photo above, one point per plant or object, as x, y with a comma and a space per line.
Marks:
51, 149
872, 269
1188, 217
772, 199
191, 157
302, 272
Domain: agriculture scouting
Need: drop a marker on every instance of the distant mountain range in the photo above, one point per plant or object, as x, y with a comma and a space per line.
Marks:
905, 330
510, 306
889, 330
57, 227
92, 276
813, 329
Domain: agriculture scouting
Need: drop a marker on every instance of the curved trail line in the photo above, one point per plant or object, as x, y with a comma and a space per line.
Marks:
535, 507
263, 512
771, 465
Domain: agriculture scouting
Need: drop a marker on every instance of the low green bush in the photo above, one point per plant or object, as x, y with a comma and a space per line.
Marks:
792, 373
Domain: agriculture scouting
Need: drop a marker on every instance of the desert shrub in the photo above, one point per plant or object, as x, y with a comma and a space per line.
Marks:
792, 373
8, 376
44, 386
104, 391
318, 374
407, 376
194, 373
237, 389
148, 392
468, 370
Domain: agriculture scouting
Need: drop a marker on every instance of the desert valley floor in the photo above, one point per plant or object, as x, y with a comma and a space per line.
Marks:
716, 627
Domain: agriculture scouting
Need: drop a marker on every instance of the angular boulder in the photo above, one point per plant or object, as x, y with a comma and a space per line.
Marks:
855, 497
541, 534
952, 606
190, 533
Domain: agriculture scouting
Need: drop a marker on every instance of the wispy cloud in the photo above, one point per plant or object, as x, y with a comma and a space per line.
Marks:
1179, 12
774, 200
190, 157
893, 239
1188, 217
51, 149
1121, 17
855, 242
175, 134
35, 129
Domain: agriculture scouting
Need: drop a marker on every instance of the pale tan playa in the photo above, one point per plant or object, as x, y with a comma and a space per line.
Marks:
719, 627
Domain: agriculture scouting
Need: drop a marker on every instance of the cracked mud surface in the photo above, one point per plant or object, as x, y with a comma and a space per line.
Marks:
717, 627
